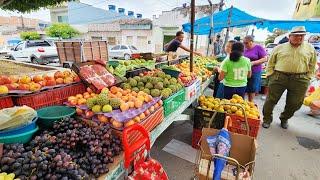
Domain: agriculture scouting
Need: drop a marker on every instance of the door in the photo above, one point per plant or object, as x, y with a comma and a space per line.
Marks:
142, 43
18, 53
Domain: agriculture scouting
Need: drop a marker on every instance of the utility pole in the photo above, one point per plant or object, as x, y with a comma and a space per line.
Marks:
22, 23
192, 32
221, 4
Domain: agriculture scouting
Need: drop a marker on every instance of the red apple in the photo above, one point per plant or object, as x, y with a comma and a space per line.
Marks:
5, 80
147, 113
42, 83
58, 74
25, 87
50, 82
37, 78
79, 111
13, 86
14, 79
59, 81
48, 78
89, 114
76, 79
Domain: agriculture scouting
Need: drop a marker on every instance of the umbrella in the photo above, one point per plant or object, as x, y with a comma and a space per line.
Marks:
220, 144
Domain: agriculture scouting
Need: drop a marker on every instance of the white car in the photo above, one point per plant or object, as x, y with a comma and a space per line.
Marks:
5, 51
122, 51
269, 47
37, 52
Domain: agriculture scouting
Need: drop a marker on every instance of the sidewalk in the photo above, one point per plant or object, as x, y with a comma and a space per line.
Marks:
282, 154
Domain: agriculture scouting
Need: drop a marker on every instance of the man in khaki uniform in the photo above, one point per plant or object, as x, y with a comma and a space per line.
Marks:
291, 67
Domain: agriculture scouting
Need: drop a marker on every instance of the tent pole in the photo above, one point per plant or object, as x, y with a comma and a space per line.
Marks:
228, 29
211, 27
192, 32
197, 38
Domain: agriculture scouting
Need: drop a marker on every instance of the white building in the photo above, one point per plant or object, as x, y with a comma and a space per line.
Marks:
169, 22
136, 32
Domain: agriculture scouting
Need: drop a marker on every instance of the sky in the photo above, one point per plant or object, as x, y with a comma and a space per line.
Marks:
269, 9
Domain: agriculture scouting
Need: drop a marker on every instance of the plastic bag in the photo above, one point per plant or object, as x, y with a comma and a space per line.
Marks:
16, 116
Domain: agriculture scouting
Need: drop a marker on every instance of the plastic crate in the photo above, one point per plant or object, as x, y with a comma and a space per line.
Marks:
171, 72
135, 72
6, 102
193, 90
50, 97
149, 124
202, 118
172, 103
238, 125
196, 136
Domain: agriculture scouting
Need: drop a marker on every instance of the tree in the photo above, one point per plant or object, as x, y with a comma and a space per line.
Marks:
28, 5
272, 37
62, 30
30, 35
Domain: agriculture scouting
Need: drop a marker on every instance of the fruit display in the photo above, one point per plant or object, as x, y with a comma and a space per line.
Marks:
187, 78
81, 99
97, 75
72, 150
156, 83
129, 65
199, 69
216, 104
37, 82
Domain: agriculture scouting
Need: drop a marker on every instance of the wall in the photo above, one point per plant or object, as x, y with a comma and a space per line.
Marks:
137, 36
311, 10
58, 11
17, 21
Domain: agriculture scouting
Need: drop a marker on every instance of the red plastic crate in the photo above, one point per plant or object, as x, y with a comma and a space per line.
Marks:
149, 124
6, 102
50, 97
238, 125
196, 136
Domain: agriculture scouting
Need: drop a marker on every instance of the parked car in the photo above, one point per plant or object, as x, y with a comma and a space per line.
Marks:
37, 52
269, 47
5, 51
122, 51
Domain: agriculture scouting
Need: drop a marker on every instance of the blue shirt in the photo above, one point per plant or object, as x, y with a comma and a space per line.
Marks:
173, 46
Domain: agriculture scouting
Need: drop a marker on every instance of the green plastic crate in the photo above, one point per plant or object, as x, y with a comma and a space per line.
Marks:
172, 103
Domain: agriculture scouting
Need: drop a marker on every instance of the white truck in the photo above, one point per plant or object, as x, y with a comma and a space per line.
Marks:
36, 51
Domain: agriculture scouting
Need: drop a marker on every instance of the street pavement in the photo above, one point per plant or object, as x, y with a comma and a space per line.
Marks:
292, 154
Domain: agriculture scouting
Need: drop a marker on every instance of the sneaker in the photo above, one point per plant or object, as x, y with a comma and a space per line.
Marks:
284, 124
265, 125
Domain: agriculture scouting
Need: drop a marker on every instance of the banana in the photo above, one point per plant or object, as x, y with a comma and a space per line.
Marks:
314, 96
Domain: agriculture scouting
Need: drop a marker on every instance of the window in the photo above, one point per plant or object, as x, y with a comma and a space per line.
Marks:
37, 43
271, 45
96, 38
306, 2
129, 40
19, 47
124, 47
63, 19
116, 48
133, 48
111, 40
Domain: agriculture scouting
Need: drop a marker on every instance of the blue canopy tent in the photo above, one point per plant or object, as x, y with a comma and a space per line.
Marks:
234, 17
231, 17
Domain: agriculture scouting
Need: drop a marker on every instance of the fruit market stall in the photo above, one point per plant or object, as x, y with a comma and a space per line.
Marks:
94, 116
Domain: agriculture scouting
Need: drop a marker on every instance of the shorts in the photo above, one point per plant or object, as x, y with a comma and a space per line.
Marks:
230, 91
220, 91
254, 83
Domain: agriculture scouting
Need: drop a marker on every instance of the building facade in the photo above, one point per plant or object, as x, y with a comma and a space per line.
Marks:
307, 9
136, 32
168, 23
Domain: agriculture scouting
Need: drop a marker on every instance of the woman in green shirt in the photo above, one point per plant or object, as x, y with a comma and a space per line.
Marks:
235, 71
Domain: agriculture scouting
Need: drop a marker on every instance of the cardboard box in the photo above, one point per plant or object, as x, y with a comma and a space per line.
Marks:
243, 150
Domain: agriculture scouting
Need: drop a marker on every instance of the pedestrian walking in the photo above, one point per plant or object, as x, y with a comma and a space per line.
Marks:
291, 67
257, 55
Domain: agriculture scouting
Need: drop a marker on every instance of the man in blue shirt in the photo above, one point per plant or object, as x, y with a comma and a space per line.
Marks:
174, 44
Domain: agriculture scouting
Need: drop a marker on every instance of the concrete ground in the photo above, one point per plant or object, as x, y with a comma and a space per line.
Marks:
292, 154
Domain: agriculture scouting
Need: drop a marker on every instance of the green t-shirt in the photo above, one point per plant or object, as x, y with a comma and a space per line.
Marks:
236, 73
